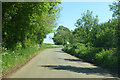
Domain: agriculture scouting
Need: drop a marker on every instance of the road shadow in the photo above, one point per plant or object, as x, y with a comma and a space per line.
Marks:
74, 60
59, 51
78, 69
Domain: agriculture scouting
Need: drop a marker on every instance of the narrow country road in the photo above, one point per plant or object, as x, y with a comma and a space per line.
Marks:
54, 63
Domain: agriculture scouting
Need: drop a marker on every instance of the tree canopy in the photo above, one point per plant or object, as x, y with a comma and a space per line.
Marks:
95, 42
27, 23
61, 36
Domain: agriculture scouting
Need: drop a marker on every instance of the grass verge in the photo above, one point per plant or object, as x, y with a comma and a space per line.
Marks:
13, 58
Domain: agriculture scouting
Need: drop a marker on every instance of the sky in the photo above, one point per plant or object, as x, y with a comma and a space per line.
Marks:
71, 11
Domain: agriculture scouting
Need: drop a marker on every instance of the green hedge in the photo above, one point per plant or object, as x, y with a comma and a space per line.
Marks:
105, 58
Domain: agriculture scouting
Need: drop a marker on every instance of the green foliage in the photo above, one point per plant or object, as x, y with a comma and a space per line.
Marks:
81, 50
86, 26
97, 43
115, 8
107, 58
98, 35
12, 58
61, 36
25, 24
106, 35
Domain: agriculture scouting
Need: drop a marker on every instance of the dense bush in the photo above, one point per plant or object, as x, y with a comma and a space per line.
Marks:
80, 50
105, 58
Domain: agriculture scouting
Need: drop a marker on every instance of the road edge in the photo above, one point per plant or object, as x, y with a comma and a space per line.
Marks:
20, 65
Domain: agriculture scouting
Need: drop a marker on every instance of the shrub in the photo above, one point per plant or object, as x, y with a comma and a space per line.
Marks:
107, 59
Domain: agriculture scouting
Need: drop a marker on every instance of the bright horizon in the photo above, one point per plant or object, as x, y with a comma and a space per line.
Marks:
71, 11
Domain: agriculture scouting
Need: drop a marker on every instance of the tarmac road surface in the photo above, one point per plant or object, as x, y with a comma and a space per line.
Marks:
54, 63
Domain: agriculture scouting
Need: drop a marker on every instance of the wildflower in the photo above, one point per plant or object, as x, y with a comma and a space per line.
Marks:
13, 52
5, 48
5, 53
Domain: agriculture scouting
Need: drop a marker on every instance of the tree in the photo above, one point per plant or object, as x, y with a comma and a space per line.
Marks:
86, 26
27, 23
61, 36
115, 7
98, 35
106, 36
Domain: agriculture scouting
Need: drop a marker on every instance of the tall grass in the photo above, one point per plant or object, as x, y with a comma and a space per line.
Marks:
11, 58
